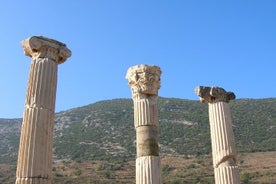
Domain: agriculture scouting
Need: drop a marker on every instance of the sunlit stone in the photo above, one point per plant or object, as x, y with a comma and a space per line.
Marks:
222, 136
144, 81
34, 165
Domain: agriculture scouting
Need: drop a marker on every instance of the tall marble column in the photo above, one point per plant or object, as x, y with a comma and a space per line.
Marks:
222, 136
34, 163
144, 81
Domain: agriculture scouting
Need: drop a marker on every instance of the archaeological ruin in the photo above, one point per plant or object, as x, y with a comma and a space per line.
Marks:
34, 164
222, 136
144, 81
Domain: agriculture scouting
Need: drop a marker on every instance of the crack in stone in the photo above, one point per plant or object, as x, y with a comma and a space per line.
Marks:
226, 161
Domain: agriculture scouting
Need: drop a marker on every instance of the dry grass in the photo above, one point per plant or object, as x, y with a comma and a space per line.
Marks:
259, 168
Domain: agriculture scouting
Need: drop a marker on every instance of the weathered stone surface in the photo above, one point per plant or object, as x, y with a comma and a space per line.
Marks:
147, 141
144, 81
34, 165
145, 110
42, 47
227, 175
222, 136
41, 90
213, 94
148, 170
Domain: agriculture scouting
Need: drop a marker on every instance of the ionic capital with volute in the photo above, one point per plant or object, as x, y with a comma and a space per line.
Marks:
42, 47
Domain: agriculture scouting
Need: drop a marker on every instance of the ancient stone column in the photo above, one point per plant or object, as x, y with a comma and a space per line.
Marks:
222, 136
144, 81
36, 141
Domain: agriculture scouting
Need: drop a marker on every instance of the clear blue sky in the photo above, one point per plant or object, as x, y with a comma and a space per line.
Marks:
231, 44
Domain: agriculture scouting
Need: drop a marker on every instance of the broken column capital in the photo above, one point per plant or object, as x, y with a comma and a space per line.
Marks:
144, 80
213, 94
222, 136
42, 47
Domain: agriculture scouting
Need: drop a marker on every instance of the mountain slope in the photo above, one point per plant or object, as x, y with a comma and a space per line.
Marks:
105, 130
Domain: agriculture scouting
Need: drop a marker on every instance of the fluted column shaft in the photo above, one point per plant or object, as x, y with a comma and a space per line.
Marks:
223, 144
36, 140
145, 82
222, 136
146, 125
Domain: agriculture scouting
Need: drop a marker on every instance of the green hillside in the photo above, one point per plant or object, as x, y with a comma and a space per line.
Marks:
96, 143
105, 130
